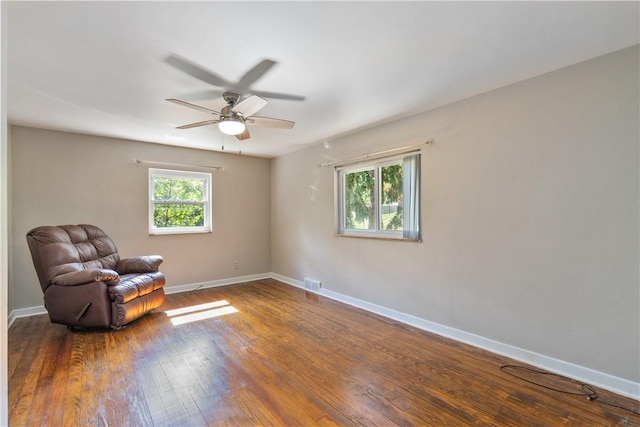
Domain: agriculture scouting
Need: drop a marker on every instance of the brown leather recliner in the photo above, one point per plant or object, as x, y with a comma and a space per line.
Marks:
86, 284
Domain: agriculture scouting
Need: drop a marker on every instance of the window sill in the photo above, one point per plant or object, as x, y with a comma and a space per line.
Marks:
174, 231
377, 237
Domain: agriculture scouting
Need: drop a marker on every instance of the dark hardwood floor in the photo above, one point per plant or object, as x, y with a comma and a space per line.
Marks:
265, 353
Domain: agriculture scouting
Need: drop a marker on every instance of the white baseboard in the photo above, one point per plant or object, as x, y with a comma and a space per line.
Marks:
25, 312
580, 373
293, 282
214, 283
599, 379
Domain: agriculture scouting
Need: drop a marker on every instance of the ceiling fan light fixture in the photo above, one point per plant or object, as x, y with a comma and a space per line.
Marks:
231, 125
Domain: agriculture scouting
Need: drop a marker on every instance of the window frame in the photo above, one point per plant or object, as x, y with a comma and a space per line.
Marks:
207, 227
376, 165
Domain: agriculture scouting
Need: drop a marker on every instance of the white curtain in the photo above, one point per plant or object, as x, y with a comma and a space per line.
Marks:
411, 196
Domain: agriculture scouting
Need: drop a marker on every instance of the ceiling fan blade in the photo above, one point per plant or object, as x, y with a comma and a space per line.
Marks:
194, 106
244, 135
255, 73
276, 95
195, 125
195, 70
250, 106
270, 122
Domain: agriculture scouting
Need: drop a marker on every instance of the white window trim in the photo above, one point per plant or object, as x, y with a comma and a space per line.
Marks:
340, 220
169, 173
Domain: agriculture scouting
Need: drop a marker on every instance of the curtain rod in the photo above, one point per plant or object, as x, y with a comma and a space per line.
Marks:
218, 168
364, 156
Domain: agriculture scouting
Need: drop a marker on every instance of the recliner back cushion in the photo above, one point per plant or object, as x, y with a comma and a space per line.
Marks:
68, 248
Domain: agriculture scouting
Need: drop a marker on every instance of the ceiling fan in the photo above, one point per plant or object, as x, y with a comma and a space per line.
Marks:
234, 117
238, 112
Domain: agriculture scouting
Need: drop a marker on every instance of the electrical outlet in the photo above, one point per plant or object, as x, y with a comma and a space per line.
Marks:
236, 265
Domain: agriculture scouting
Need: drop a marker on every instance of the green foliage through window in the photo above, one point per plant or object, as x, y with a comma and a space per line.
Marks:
183, 189
362, 208
391, 208
175, 215
360, 200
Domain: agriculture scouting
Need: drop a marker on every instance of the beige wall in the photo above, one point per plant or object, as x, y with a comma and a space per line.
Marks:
64, 178
530, 217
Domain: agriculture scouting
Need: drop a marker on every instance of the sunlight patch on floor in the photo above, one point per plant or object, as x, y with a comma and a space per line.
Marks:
193, 313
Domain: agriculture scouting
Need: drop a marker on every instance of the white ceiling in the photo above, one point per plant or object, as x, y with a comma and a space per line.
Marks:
98, 67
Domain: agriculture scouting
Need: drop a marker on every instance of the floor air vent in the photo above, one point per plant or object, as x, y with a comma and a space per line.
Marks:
312, 285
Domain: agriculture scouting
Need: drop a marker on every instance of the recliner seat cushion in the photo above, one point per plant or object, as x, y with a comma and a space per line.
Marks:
132, 286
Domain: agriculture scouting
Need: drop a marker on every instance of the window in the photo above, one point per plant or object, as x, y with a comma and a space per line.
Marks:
380, 198
179, 202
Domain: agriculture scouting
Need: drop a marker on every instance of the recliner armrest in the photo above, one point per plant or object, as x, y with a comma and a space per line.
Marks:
82, 277
139, 264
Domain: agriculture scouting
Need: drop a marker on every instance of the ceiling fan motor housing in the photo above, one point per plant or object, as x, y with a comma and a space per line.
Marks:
231, 98
228, 112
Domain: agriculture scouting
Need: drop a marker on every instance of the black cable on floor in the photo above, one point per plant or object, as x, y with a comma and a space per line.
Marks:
588, 390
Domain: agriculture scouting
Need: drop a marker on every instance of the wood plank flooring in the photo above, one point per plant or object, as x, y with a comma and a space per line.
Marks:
266, 353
